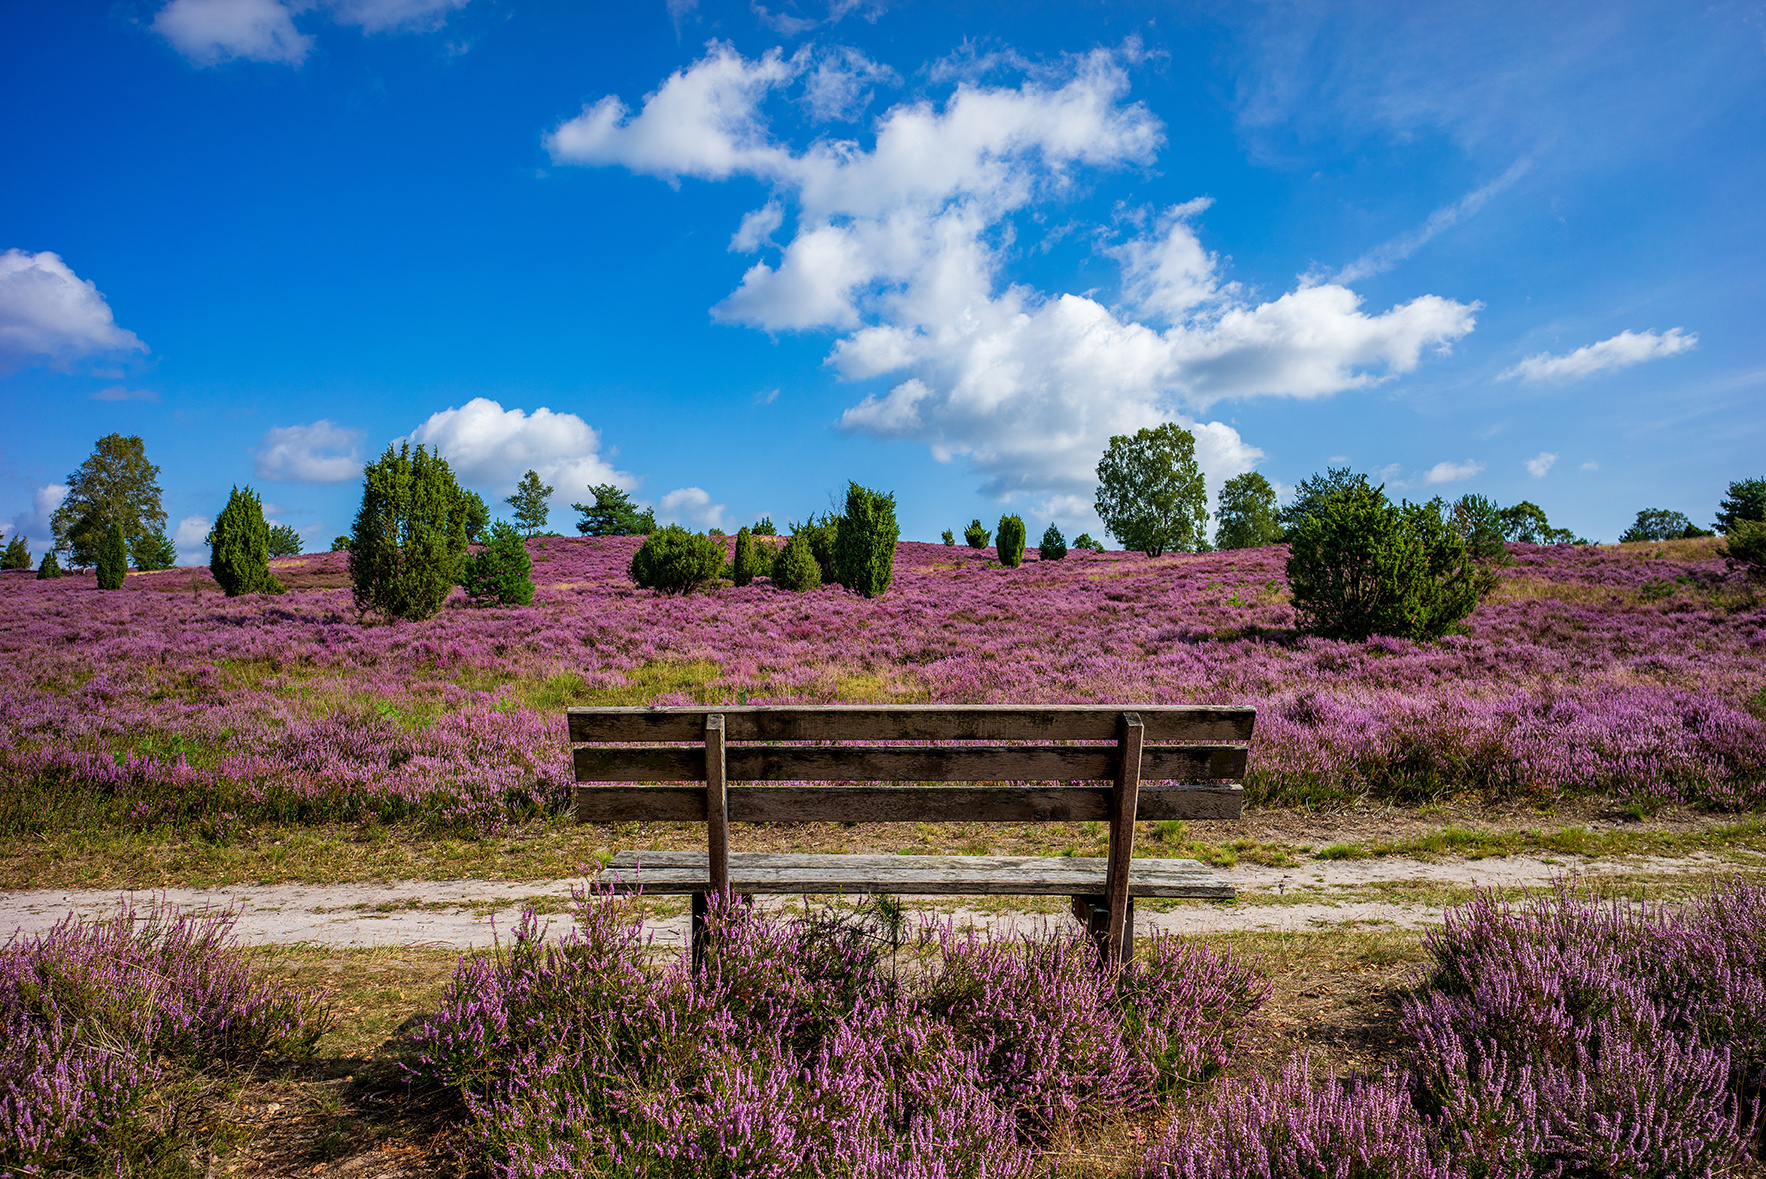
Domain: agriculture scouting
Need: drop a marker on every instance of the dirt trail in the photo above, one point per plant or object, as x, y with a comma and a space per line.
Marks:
461, 914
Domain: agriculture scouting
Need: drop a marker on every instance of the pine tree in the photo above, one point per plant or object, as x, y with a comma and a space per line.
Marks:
239, 547
1053, 546
50, 569
284, 541
18, 554
154, 551
409, 539
502, 572
113, 559
530, 503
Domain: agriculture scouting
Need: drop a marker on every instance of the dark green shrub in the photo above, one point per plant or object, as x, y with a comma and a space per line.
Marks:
742, 565
1084, 541
410, 535
1248, 517
1010, 541
764, 527
1314, 492
949, 540
284, 541
239, 547
976, 536
822, 533
795, 568
1746, 542
18, 554
864, 545
1054, 545
340, 544
113, 559
613, 514
1478, 521
676, 561
1361, 565
501, 572
154, 550
50, 569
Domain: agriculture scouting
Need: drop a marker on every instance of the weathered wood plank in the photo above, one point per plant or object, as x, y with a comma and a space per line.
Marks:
913, 722
1122, 813
717, 806
901, 804
906, 763
686, 872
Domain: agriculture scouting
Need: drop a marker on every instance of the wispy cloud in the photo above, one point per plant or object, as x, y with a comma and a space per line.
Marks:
1388, 254
1622, 351
1540, 463
1453, 472
124, 393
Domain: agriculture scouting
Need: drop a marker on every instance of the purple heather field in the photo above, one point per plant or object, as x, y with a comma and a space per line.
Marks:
1636, 672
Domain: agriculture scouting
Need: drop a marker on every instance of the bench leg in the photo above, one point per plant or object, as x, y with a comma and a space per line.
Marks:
1093, 912
696, 931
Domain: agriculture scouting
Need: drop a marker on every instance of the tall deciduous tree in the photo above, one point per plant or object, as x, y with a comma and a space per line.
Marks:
239, 547
115, 485
1247, 513
409, 538
1151, 495
530, 502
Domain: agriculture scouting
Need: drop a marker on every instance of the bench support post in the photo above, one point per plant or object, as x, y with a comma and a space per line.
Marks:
717, 832
1118, 940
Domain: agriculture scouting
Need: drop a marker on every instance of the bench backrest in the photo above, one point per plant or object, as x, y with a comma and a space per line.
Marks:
1196, 753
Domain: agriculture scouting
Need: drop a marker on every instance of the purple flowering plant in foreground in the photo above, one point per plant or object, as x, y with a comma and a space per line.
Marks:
102, 1021
801, 1049
1564, 1037
1590, 669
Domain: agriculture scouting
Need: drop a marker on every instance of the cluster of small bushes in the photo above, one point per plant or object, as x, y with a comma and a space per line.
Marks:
855, 549
1568, 1037
801, 1049
1011, 537
105, 1027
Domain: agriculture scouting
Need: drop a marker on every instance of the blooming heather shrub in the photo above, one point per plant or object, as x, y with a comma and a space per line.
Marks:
97, 1016
1575, 1037
795, 1052
1294, 1126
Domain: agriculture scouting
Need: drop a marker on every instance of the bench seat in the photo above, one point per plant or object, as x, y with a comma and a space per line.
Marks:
766, 872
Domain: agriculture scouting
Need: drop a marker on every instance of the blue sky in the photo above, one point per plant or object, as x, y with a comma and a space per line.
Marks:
731, 256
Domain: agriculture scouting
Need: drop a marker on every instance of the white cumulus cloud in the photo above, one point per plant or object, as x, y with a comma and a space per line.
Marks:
691, 506
47, 312
1540, 463
900, 249
1452, 472
33, 523
1622, 351
319, 452
191, 539
491, 447
210, 32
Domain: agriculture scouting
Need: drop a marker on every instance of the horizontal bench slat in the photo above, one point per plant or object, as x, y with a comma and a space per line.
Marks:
901, 804
685, 872
913, 722
872, 763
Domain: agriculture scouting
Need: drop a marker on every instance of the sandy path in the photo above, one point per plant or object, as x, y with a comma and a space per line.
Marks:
459, 914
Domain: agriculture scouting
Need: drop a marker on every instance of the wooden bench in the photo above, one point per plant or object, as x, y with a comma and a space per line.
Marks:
1161, 762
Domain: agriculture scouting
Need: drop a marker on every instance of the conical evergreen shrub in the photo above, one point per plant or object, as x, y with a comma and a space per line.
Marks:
975, 536
502, 572
409, 539
18, 554
864, 547
1054, 545
742, 567
1009, 541
795, 568
50, 569
113, 559
239, 547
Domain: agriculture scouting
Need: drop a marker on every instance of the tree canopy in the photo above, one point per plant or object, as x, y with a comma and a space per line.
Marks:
409, 538
1746, 501
613, 514
115, 485
1151, 495
530, 502
1248, 516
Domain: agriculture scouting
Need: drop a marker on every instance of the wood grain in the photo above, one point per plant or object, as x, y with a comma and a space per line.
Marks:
686, 872
717, 806
901, 804
898, 763
913, 722
1122, 813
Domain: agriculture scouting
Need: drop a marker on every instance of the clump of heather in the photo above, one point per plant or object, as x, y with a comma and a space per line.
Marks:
800, 1049
100, 1020
1295, 1126
1563, 1037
